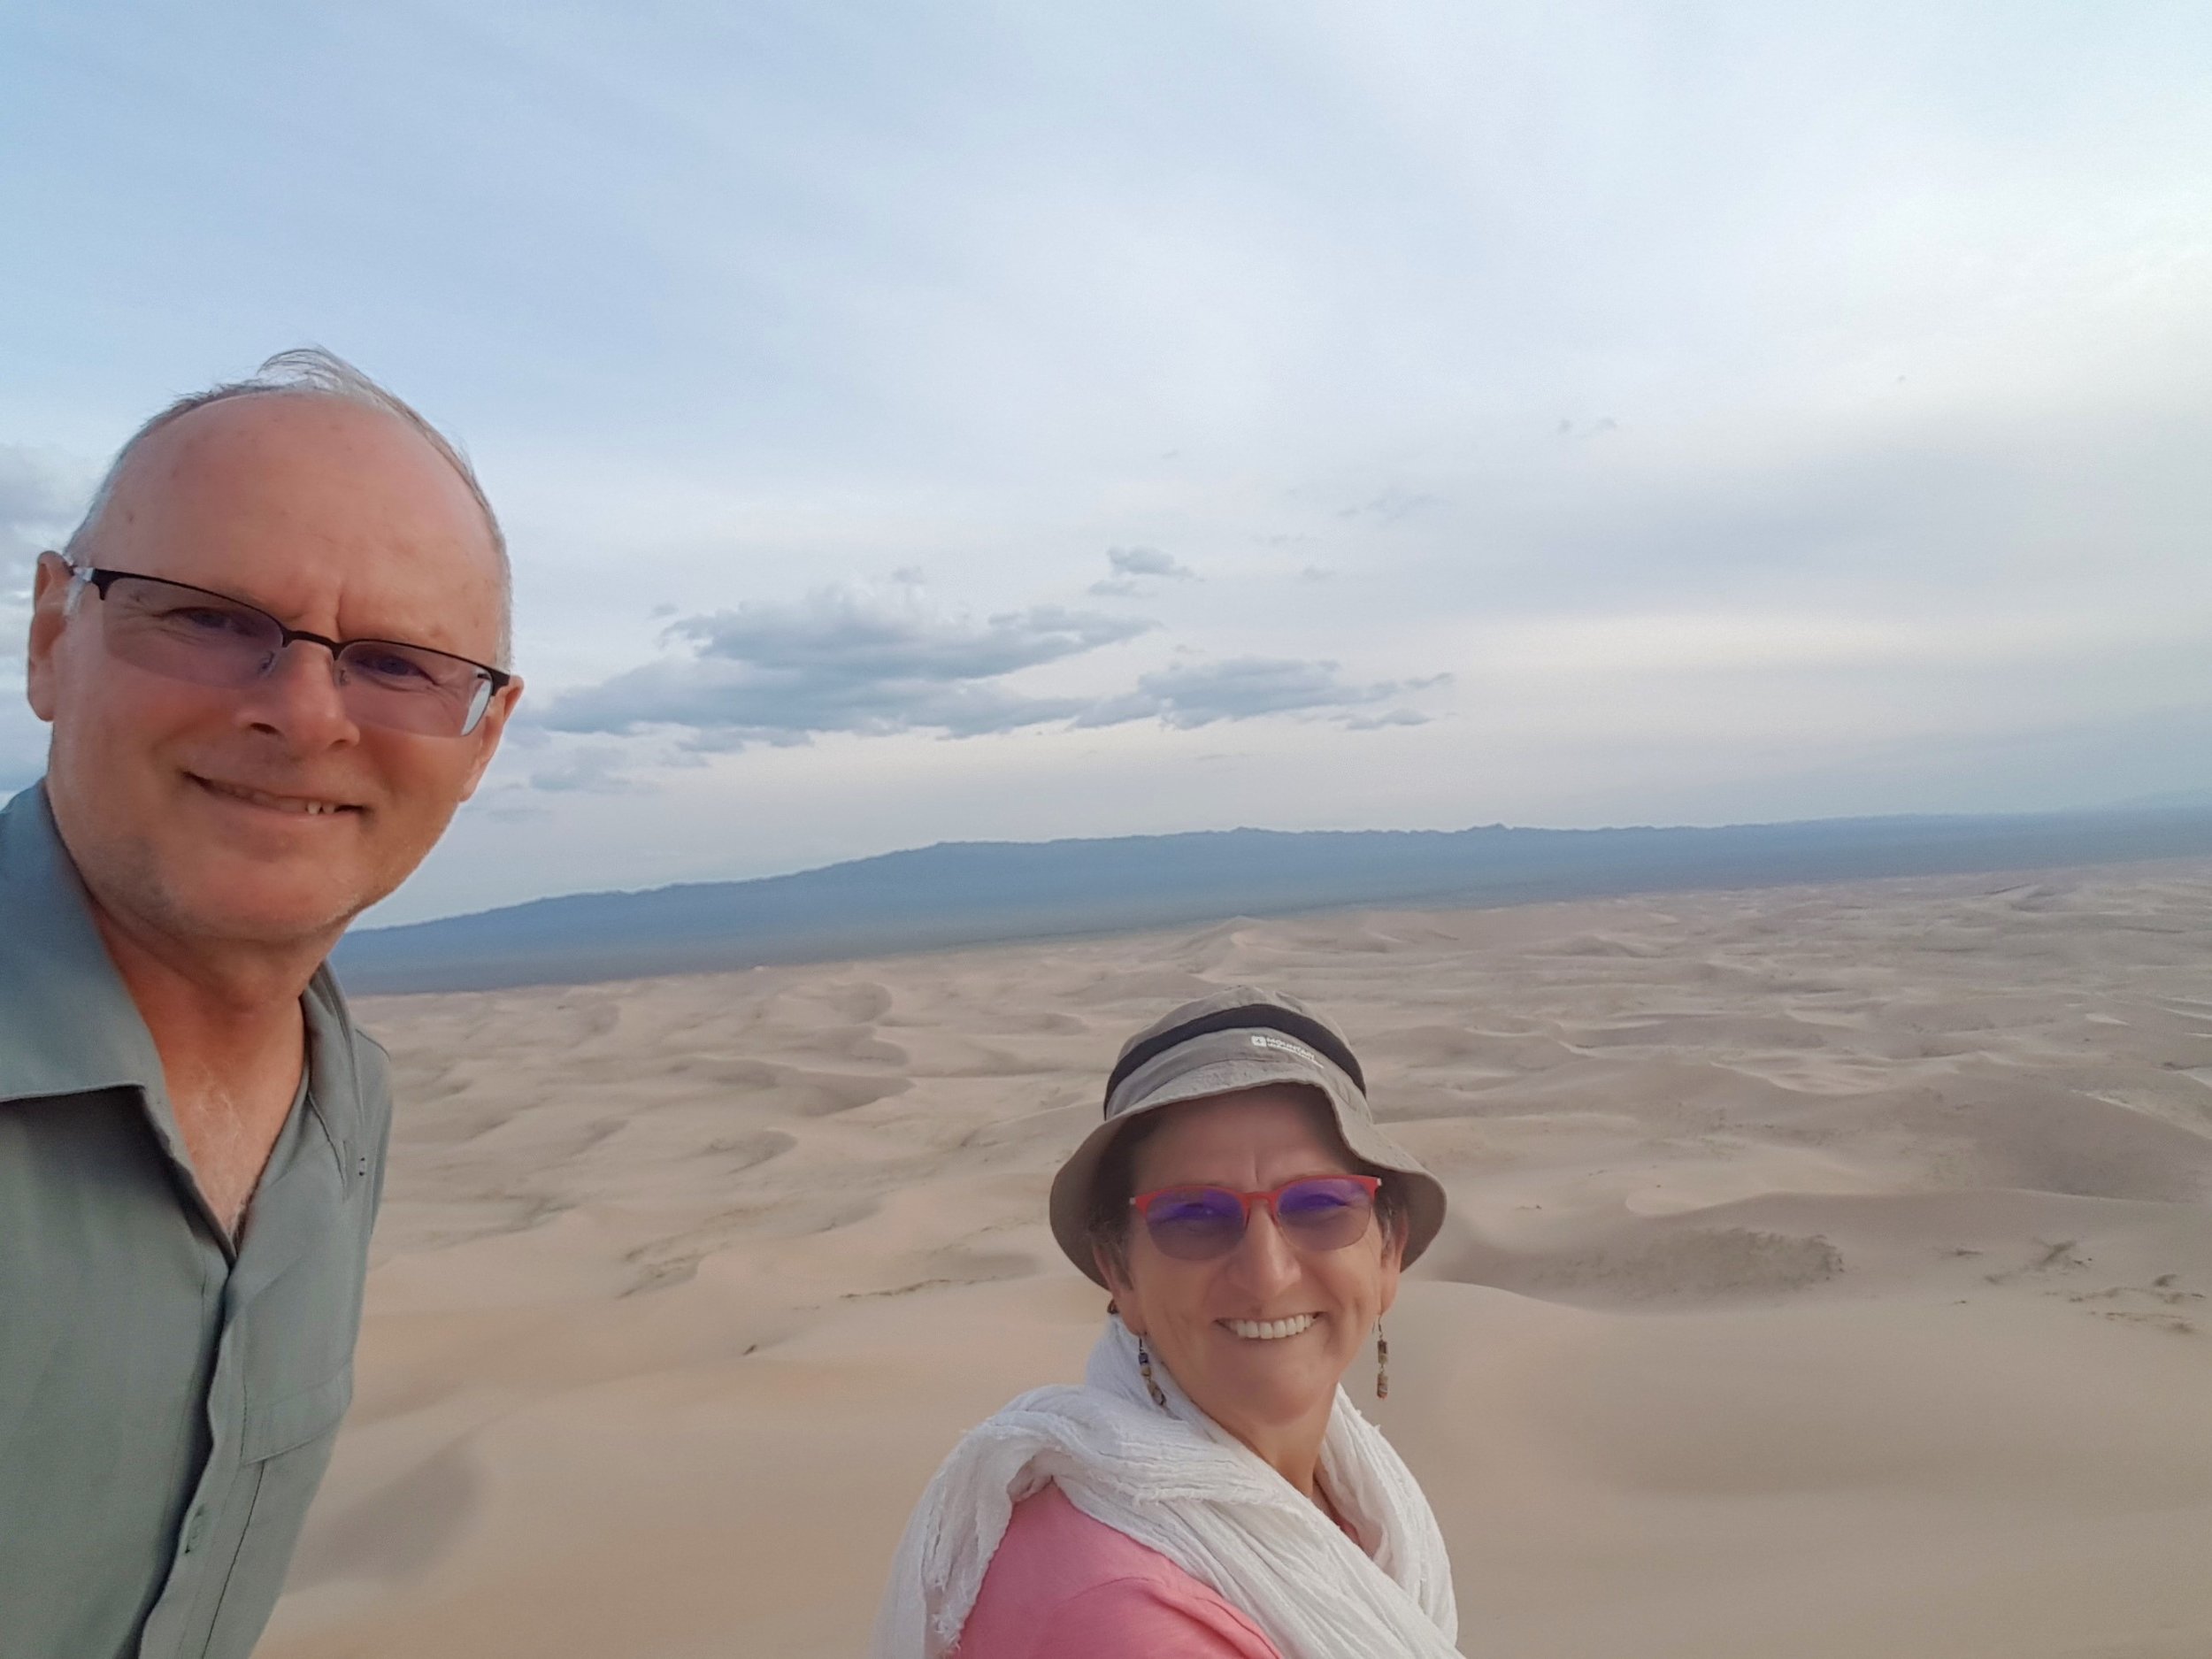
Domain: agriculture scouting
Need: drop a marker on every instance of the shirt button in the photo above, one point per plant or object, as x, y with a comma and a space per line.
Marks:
194, 1529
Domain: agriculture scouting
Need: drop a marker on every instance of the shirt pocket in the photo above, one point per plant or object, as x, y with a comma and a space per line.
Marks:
275, 1426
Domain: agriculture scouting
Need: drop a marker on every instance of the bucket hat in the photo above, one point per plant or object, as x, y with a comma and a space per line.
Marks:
1237, 1039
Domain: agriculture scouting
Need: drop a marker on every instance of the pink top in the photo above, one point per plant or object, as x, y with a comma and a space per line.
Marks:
1064, 1587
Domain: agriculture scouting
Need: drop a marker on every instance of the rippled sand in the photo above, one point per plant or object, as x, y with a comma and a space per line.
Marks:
1828, 1275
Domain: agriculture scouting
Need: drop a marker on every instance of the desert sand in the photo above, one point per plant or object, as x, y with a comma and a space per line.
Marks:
1827, 1275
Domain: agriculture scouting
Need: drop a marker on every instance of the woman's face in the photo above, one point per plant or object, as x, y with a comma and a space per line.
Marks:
1209, 1322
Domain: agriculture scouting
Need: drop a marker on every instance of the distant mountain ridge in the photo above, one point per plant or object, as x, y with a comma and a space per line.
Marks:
964, 893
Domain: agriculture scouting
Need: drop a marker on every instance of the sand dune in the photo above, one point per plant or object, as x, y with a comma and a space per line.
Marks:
1828, 1274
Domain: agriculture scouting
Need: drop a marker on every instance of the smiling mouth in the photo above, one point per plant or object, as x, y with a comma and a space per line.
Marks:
297, 805
1270, 1330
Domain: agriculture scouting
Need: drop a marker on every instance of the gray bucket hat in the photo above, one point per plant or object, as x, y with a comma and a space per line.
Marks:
1237, 1039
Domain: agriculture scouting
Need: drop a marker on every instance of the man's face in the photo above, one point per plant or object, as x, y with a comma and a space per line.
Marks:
183, 805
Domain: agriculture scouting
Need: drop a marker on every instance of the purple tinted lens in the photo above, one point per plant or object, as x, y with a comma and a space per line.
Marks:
1323, 1196
412, 688
1195, 1222
186, 634
1325, 1213
168, 628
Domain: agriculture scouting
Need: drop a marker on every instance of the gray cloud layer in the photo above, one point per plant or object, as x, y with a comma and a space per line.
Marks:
1128, 564
851, 660
844, 661
1147, 561
37, 504
1768, 411
1246, 688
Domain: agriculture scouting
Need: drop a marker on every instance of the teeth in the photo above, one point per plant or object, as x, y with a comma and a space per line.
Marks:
280, 803
1270, 1330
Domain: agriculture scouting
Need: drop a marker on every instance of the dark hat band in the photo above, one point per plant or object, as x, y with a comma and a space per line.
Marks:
1266, 1015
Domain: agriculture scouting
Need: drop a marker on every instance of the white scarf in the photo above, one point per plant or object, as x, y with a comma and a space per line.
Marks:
1179, 1483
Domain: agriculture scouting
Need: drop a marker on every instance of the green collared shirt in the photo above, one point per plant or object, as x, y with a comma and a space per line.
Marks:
167, 1403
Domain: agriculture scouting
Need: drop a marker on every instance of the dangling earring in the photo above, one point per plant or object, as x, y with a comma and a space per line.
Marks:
1382, 1362
1144, 1370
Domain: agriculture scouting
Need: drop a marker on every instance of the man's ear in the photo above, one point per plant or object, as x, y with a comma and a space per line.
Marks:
489, 730
51, 582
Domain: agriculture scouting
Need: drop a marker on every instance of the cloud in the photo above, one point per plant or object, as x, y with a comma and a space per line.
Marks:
1392, 506
1129, 563
1597, 428
1388, 717
1147, 561
1248, 687
36, 490
845, 660
39, 502
595, 769
872, 663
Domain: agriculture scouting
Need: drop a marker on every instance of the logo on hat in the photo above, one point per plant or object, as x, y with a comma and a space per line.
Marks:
1261, 1040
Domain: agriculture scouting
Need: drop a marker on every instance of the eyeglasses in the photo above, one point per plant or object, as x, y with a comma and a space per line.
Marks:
1198, 1224
186, 632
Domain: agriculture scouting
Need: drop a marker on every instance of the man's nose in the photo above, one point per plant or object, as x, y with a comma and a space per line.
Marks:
299, 699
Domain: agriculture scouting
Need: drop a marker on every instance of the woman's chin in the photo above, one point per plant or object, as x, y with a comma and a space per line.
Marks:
1265, 1389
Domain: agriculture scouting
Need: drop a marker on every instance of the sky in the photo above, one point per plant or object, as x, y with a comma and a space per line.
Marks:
932, 421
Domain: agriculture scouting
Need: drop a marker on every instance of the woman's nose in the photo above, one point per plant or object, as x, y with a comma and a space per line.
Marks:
1265, 1262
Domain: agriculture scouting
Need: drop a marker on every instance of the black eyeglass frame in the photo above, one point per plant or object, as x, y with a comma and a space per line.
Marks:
101, 579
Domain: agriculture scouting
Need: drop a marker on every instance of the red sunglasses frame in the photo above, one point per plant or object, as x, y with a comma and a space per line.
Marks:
1143, 1201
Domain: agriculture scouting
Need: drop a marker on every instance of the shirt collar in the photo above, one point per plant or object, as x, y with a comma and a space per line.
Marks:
67, 1023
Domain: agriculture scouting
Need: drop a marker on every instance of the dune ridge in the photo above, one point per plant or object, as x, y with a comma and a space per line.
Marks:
1828, 1273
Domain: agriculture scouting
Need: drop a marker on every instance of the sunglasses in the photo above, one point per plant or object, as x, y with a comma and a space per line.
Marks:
1200, 1224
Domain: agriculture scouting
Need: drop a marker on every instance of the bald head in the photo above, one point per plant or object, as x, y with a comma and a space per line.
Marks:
302, 377
283, 493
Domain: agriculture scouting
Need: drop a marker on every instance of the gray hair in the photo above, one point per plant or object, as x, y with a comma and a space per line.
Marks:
312, 372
